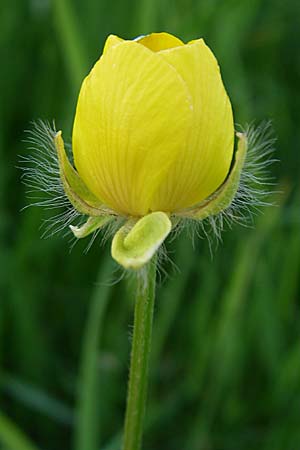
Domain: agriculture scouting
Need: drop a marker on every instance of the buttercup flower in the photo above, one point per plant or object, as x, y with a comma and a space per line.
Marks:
153, 129
153, 143
153, 148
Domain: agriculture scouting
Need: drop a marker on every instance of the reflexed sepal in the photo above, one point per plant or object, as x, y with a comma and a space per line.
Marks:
91, 225
135, 244
224, 196
77, 192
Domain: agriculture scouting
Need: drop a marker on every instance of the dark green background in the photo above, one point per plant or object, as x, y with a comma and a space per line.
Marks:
226, 352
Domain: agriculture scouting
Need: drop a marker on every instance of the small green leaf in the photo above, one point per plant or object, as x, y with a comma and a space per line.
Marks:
136, 242
92, 224
224, 196
77, 192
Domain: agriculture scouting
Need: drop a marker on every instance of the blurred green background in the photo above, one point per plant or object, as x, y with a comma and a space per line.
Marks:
226, 351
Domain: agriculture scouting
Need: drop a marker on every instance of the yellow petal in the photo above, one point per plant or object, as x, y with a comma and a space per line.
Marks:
224, 196
132, 120
159, 41
111, 41
204, 163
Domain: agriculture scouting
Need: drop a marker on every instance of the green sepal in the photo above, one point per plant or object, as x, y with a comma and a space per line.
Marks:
77, 192
224, 196
136, 242
92, 224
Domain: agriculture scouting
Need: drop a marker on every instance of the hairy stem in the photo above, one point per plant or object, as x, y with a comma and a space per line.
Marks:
138, 377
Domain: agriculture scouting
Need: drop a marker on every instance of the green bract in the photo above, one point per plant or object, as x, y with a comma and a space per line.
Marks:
136, 242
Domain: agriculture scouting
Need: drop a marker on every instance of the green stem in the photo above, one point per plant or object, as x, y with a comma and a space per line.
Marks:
138, 377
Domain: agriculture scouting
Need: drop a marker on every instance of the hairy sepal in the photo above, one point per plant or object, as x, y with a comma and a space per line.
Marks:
224, 196
77, 192
137, 241
91, 225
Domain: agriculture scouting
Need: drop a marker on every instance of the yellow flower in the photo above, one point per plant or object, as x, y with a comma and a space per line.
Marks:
153, 129
153, 143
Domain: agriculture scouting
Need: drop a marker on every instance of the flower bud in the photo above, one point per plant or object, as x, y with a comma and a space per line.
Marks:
153, 143
153, 129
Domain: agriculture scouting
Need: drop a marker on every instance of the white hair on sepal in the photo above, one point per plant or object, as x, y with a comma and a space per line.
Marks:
41, 168
91, 240
60, 222
110, 229
164, 259
41, 176
256, 180
253, 191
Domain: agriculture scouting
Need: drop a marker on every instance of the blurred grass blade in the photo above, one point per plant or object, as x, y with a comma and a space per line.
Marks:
146, 16
88, 428
12, 437
290, 267
235, 293
36, 399
171, 296
228, 346
115, 443
71, 40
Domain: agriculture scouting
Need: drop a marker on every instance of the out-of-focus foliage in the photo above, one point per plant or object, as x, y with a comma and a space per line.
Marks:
226, 353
